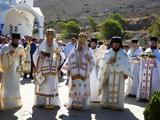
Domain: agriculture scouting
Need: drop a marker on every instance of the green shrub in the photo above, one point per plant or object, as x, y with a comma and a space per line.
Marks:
152, 109
121, 20
111, 28
70, 29
154, 29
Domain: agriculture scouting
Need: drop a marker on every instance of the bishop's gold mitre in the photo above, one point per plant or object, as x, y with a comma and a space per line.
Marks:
82, 37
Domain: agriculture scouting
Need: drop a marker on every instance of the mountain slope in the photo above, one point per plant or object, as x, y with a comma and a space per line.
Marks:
67, 9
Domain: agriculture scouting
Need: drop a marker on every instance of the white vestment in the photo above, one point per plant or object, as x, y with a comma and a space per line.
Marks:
10, 97
149, 76
78, 68
46, 85
94, 76
133, 55
111, 77
26, 65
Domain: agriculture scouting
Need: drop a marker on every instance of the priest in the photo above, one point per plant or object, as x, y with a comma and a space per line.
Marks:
115, 68
11, 57
149, 71
78, 67
134, 55
47, 59
94, 74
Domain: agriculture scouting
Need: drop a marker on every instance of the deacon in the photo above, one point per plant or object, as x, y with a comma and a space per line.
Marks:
30, 47
134, 55
94, 74
47, 60
115, 68
149, 71
11, 56
78, 67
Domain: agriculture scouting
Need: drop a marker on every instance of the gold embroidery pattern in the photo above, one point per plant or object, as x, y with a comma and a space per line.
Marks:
78, 76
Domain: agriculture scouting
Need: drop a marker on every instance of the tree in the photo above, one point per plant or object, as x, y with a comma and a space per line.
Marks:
49, 24
154, 30
111, 28
59, 26
70, 29
122, 21
92, 23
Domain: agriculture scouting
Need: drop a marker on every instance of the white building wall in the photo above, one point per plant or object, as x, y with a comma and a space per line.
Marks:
17, 1
21, 14
24, 22
28, 2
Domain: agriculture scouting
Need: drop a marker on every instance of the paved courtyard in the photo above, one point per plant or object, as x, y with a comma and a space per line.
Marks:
133, 110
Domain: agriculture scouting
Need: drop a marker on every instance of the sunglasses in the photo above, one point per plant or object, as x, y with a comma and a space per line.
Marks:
50, 33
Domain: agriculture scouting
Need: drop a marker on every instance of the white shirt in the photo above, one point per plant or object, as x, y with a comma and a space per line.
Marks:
68, 48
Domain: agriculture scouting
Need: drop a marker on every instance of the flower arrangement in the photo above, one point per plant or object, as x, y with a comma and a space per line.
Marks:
148, 55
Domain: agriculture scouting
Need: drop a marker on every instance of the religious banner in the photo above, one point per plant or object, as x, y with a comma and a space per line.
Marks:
148, 62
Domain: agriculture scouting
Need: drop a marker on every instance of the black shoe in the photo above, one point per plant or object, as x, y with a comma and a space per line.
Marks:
31, 77
142, 100
39, 106
24, 76
132, 96
105, 107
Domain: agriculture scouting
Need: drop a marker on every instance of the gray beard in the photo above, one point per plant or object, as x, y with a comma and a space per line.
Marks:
80, 48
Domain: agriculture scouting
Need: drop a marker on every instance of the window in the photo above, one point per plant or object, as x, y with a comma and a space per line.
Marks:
15, 29
10, 29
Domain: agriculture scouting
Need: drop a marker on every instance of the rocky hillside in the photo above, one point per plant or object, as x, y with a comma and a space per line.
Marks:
69, 9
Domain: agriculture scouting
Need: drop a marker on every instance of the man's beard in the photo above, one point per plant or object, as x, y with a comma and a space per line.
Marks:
14, 45
116, 50
49, 43
155, 47
93, 47
79, 48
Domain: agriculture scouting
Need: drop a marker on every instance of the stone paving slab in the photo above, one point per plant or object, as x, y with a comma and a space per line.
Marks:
133, 110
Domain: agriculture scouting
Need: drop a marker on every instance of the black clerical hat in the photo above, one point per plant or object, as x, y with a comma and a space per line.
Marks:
100, 43
116, 39
134, 40
16, 36
94, 40
154, 39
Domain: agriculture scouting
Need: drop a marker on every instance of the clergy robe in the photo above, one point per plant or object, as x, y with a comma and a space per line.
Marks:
78, 68
133, 55
149, 76
111, 77
46, 80
26, 65
10, 65
94, 76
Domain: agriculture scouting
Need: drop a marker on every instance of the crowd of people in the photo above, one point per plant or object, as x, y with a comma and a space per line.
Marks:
96, 72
